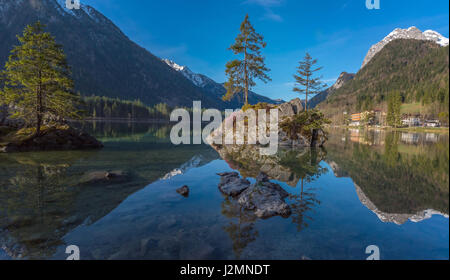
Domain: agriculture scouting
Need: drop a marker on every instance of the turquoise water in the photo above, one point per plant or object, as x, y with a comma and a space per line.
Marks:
364, 188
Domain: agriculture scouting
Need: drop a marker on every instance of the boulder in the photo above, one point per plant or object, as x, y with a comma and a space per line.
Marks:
231, 184
184, 191
285, 110
266, 199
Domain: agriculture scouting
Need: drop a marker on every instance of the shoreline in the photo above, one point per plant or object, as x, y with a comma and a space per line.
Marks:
441, 130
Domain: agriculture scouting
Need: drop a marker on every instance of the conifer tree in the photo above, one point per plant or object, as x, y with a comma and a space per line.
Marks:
306, 83
37, 80
242, 73
394, 109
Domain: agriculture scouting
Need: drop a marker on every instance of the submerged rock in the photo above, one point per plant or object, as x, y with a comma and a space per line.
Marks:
105, 177
264, 198
231, 184
184, 191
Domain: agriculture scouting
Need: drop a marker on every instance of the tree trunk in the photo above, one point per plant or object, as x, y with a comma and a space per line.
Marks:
39, 107
245, 75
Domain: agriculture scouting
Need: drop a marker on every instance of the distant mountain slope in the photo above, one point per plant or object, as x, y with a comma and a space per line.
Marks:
418, 69
215, 89
104, 61
319, 98
410, 33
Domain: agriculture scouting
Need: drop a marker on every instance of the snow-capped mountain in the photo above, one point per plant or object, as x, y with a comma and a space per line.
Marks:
211, 87
410, 33
198, 79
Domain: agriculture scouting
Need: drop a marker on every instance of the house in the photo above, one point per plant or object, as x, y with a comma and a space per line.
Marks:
432, 123
412, 121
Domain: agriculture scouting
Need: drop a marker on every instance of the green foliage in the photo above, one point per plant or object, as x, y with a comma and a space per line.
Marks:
305, 82
37, 82
104, 107
443, 118
418, 70
259, 106
304, 123
241, 73
393, 113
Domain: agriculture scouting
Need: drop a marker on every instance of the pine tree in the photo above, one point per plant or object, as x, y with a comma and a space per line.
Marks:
394, 109
37, 80
306, 83
242, 73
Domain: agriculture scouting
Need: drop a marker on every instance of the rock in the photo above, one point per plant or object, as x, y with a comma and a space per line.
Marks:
285, 110
297, 105
184, 191
63, 138
262, 177
266, 199
105, 177
231, 184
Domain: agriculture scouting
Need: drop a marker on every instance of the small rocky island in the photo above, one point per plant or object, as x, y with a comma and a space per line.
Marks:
62, 137
297, 128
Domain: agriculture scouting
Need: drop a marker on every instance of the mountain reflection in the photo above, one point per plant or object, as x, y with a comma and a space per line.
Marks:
396, 176
399, 176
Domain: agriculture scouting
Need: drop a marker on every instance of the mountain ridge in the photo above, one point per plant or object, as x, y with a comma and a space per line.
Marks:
104, 61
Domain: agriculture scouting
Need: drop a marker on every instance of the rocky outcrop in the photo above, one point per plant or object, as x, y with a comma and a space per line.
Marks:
52, 139
286, 110
264, 198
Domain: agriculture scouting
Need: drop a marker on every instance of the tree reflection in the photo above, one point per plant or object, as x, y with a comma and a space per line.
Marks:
241, 227
307, 167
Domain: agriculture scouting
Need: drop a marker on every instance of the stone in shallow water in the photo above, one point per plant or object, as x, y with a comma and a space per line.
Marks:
105, 177
184, 191
266, 199
231, 184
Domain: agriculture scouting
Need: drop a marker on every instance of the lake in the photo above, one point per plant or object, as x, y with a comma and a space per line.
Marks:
388, 189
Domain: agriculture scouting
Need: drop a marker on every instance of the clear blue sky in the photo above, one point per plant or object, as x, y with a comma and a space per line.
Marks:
197, 33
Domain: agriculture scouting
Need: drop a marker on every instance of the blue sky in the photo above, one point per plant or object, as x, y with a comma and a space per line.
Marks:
197, 33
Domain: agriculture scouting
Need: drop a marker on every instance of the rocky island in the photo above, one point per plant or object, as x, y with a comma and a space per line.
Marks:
61, 137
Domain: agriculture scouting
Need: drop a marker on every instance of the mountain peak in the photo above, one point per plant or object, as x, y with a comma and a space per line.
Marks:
198, 79
410, 33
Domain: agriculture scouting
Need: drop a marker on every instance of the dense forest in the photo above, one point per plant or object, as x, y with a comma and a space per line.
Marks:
105, 107
418, 70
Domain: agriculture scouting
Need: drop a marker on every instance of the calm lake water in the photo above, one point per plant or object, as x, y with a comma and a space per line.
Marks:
364, 188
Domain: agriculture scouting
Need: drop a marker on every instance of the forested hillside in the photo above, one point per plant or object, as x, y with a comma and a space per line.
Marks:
418, 70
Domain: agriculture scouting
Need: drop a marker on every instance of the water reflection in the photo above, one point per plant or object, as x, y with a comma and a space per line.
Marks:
396, 176
44, 196
47, 199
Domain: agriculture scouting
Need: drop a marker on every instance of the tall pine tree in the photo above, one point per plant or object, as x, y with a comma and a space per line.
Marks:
306, 83
37, 82
242, 73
